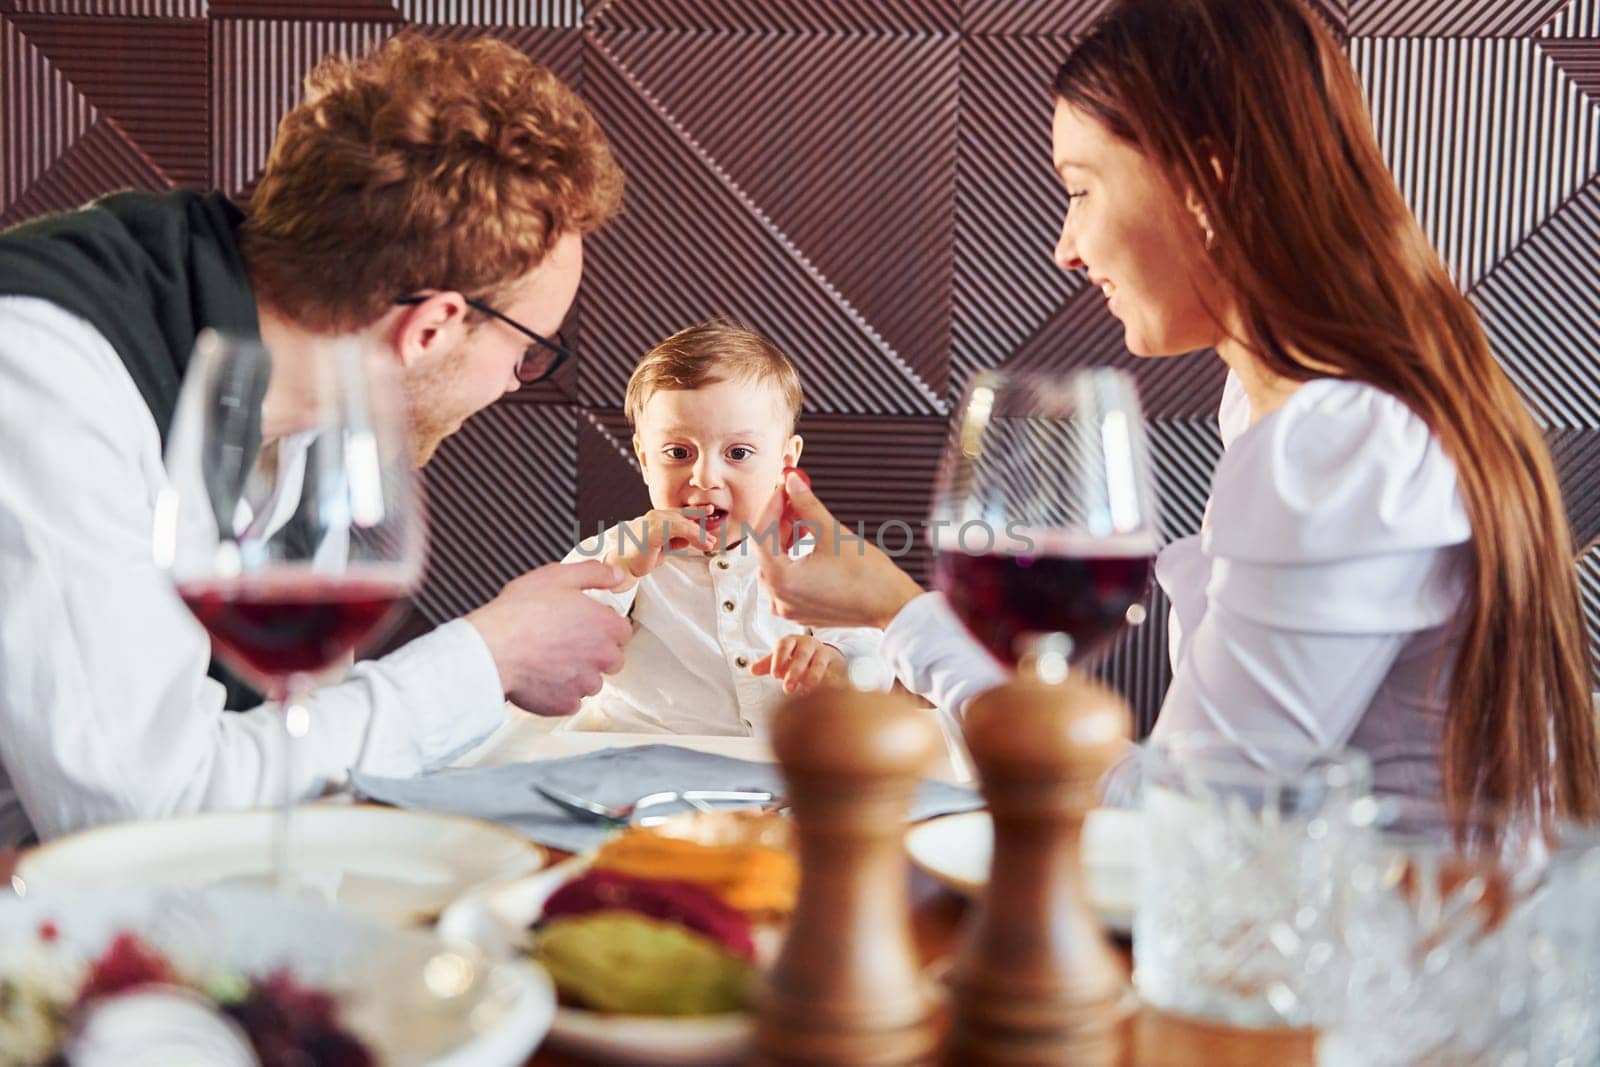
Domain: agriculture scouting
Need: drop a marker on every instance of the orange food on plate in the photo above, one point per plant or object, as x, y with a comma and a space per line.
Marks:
745, 859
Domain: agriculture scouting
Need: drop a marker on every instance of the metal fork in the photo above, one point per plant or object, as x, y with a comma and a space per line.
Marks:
623, 814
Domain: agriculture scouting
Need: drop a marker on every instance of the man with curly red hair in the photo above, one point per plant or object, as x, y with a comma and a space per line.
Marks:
432, 200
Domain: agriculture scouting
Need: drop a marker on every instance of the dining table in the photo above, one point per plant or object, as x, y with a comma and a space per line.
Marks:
1145, 1037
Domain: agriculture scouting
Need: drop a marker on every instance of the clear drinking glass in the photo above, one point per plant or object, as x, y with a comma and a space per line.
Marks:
1469, 941
1043, 521
291, 531
1235, 918
1566, 953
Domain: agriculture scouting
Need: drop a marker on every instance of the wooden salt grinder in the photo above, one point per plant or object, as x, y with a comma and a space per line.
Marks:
1036, 981
845, 989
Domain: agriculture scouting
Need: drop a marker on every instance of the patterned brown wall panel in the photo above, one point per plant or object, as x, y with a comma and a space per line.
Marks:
259, 65
559, 48
610, 487
776, 16
1578, 59
691, 245
1549, 346
156, 9
341, 10
1589, 578
1577, 456
1580, 18
160, 105
502, 494
42, 111
871, 156
1069, 17
1008, 202
1184, 451
1029, 17
1336, 13
875, 471
1486, 138
103, 158
465, 13
1450, 18
468, 13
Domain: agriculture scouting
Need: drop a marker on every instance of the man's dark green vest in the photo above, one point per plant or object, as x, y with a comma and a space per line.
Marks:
149, 271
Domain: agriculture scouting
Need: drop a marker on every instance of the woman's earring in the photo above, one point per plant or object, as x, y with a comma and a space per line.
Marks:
1211, 235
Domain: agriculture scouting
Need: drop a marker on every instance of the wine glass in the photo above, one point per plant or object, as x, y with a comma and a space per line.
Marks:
291, 523
1043, 523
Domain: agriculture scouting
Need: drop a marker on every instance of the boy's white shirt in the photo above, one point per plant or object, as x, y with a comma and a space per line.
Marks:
699, 622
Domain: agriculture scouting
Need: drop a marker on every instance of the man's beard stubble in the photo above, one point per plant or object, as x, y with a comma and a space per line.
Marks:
429, 426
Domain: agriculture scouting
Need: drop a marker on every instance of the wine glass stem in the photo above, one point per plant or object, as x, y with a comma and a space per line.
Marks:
296, 722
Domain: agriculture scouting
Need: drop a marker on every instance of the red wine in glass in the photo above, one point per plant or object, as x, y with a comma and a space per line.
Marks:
1058, 461
1004, 597
281, 624
291, 523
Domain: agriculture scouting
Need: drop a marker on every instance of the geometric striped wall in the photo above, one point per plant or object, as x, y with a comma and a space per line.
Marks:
867, 181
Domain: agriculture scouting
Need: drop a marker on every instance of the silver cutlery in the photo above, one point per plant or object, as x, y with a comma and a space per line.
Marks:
627, 814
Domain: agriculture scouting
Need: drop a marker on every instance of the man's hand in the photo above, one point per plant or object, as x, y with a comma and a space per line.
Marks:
802, 663
639, 546
843, 582
551, 642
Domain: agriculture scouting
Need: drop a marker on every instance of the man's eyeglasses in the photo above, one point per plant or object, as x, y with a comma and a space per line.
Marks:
539, 360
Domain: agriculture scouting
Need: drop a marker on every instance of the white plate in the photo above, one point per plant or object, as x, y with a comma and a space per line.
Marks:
376, 971
400, 867
956, 849
498, 917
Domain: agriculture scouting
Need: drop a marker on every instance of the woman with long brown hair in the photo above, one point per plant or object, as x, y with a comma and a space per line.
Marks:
1385, 562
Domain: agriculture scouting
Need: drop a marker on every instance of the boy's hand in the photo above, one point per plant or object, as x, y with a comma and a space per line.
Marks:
639, 546
802, 663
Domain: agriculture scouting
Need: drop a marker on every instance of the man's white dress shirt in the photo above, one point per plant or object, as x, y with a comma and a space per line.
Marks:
106, 713
1316, 603
699, 622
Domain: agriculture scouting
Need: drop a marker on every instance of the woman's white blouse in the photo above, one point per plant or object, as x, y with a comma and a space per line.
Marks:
1316, 603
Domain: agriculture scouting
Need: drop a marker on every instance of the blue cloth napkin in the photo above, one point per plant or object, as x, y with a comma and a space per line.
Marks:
505, 794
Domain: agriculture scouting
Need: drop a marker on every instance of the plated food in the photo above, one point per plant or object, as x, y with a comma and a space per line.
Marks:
656, 940
57, 1008
241, 977
672, 919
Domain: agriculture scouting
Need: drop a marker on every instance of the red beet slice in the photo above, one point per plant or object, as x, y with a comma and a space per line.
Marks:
127, 964
691, 905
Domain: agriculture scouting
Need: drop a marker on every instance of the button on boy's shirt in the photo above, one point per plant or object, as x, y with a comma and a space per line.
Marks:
699, 622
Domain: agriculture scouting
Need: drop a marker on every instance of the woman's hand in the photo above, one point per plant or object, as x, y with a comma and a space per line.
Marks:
802, 663
843, 582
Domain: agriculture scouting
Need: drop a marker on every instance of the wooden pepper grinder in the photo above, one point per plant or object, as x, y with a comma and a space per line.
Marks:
1036, 981
845, 989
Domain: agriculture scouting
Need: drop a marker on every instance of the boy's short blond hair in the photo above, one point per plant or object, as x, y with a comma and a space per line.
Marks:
709, 352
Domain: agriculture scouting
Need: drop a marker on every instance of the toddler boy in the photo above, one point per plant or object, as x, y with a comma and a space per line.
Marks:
713, 409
